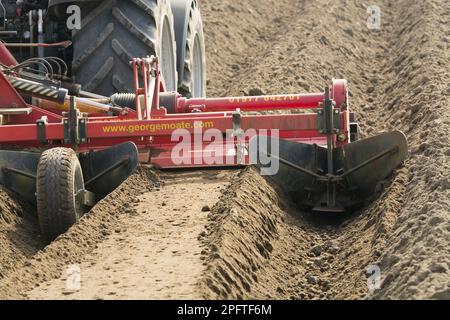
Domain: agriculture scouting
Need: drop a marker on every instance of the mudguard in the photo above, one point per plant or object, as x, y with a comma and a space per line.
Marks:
18, 172
103, 171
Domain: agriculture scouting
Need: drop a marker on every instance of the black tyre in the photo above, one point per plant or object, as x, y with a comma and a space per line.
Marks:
59, 180
115, 31
191, 55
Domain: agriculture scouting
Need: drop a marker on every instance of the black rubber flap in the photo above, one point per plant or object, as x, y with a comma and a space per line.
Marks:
105, 170
303, 175
18, 172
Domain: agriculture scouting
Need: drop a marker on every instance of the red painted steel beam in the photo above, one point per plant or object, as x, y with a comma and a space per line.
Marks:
28, 133
6, 58
261, 103
166, 126
304, 125
9, 97
339, 91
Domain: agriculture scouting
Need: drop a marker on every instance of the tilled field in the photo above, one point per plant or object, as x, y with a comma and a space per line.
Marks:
232, 234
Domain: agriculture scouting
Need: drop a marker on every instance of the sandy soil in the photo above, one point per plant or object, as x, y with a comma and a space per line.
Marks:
50, 262
157, 247
254, 243
399, 79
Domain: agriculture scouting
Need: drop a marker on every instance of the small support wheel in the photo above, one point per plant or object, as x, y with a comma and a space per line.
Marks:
59, 186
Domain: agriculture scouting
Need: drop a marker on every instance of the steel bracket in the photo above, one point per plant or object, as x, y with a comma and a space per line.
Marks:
41, 127
71, 133
86, 198
325, 118
82, 129
239, 134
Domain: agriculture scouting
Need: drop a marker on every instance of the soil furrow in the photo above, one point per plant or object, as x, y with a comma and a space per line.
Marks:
238, 35
385, 74
155, 247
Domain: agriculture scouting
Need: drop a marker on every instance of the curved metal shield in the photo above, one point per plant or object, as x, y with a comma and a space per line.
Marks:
105, 170
359, 167
18, 172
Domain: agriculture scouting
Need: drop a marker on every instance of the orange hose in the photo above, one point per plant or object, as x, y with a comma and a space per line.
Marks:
83, 105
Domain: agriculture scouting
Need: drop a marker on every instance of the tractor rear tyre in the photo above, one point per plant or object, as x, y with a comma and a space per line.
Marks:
115, 31
191, 55
59, 181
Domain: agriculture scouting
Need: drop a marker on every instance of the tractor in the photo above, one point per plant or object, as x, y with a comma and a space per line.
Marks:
105, 35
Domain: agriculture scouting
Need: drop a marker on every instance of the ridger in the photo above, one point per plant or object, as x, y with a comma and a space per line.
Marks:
319, 166
76, 160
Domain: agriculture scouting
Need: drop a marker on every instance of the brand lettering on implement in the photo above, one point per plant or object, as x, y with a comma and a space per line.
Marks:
152, 128
265, 99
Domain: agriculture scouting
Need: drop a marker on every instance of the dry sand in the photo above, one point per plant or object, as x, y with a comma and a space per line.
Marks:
156, 247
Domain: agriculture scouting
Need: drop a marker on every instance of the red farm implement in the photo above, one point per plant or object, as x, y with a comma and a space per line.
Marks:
65, 148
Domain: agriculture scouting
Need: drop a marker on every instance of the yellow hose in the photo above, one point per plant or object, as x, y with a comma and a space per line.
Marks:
83, 105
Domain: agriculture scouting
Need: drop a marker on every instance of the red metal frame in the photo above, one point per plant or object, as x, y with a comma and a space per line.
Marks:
151, 127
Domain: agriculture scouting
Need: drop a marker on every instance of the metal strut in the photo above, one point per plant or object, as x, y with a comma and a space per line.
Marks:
330, 131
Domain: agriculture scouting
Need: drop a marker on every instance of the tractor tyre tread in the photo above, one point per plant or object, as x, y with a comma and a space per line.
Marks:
112, 33
186, 76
